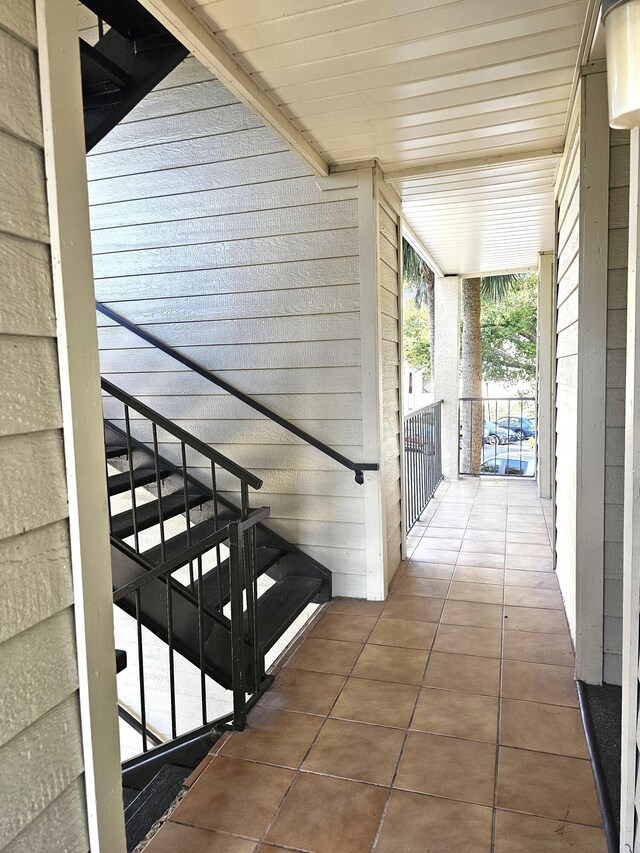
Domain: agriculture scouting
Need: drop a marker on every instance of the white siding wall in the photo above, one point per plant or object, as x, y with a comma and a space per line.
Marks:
41, 786
390, 297
567, 194
208, 233
616, 355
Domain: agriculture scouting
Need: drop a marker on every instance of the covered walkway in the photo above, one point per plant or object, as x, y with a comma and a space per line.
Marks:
443, 719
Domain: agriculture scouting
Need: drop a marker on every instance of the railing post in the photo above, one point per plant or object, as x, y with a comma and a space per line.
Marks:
236, 562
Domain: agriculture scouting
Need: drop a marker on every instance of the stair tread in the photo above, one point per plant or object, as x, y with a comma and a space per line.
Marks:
147, 514
114, 450
210, 592
118, 483
152, 802
176, 544
281, 604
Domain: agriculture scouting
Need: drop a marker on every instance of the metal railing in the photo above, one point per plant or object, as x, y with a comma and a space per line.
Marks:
159, 575
497, 436
357, 467
245, 666
422, 459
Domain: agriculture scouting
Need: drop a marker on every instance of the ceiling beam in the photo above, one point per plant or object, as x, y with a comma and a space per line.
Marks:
426, 170
194, 34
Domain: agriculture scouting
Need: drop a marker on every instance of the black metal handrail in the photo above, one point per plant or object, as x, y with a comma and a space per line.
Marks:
357, 467
422, 459
182, 435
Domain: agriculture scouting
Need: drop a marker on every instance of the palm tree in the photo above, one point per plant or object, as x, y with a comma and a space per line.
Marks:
471, 421
419, 276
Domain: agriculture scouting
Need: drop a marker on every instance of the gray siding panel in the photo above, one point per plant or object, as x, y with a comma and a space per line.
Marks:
41, 784
614, 419
214, 238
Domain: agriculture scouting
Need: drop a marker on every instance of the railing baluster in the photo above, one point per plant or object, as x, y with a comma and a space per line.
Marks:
143, 705
132, 485
214, 491
423, 460
508, 461
172, 670
203, 674
236, 561
187, 513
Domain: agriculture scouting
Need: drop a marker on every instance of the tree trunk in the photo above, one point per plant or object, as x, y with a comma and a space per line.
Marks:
431, 311
471, 369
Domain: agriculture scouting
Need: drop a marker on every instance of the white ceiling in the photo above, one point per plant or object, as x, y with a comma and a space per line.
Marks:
433, 83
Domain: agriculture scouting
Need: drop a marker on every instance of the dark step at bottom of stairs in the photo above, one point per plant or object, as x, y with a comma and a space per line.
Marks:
152, 802
210, 589
281, 605
114, 450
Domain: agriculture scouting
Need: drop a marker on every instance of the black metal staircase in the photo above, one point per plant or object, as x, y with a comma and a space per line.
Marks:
132, 55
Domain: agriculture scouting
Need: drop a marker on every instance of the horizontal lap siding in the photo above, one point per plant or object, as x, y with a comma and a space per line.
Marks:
213, 237
614, 419
389, 298
41, 784
567, 195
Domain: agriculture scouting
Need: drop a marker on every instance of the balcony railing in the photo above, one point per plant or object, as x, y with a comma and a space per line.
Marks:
497, 436
422, 459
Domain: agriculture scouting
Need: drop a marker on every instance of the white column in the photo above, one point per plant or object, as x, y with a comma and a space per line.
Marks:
631, 553
546, 395
83, 428
446, 368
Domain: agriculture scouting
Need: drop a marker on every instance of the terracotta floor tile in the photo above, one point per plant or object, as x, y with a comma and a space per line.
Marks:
498, 524
193, 776
356, 606
415, 823
534, 580
274, 737
429, 587
539, 682
212, 802
343, 626
387, 663
381, 702
544, 728
528, 537
445, 532
472, 544
471, 613
429, 570
463, 715
485, 593
303, 821
359, 751
538, 648
326, 656
448, 767
440, 543
463, 640
174, 837
478, 574
479, 558
547, 785
536, 564
520, 833
521, 596
526, 549
303, 690
435, 556
535, 620
465, 673
413, 607
403, 633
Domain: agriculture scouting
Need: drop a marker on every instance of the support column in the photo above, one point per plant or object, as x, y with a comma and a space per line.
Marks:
446, 368
546, 395
631, 553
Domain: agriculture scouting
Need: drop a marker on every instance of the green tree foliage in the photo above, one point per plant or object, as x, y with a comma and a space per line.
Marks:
417, 349
509, 332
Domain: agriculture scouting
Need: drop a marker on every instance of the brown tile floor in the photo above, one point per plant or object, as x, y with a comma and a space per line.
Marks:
444, 719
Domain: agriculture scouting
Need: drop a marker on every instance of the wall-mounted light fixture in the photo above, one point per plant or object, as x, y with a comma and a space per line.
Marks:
621, 19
